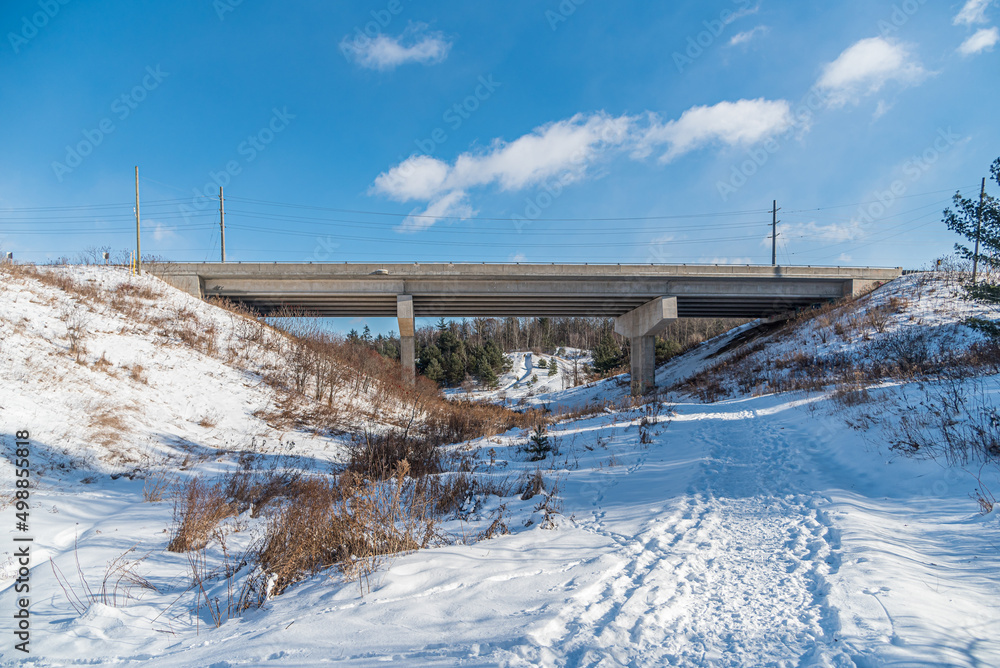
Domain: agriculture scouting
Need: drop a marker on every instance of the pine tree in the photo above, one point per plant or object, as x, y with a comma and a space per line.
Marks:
607, 354
538, 446
434, 370
552, 367
965, 220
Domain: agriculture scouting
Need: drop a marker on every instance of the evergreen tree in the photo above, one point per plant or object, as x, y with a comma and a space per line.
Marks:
607, 354
553, 367
434, 370
965, 220
538, 446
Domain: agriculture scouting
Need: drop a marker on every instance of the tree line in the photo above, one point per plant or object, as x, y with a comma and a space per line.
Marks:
451, 352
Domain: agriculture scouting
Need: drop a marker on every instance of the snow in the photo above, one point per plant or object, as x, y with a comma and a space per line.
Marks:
528, 383
756, 530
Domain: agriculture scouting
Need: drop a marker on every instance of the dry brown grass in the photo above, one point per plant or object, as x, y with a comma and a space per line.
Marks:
350, 522
137, 372
198, 509
103, 363
106, 424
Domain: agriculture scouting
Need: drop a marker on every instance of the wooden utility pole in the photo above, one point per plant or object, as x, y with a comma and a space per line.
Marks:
979, 225
774, 233
138, 249
222, 225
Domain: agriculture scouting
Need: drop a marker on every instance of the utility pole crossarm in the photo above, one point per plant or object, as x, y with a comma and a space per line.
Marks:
774, 233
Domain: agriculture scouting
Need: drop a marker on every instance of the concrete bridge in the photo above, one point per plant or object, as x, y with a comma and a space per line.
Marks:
642, 298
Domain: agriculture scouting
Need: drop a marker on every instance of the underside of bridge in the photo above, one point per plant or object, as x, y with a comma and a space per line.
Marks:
641, 298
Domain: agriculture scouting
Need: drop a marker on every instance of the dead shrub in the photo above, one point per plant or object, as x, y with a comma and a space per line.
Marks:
137, 373
198, 509
531, 485
253, 488
878, 317
103, 363
76, 321
156, 486
350, 522
377, 456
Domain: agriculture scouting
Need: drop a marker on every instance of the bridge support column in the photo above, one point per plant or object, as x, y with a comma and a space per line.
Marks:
641, 326
407, 352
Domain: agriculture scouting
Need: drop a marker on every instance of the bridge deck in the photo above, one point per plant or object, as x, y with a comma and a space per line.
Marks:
499, 290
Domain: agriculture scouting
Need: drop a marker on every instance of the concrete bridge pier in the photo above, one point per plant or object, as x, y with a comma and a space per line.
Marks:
641, 325
407, 352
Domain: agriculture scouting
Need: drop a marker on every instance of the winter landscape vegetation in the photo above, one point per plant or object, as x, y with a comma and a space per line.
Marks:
197, 475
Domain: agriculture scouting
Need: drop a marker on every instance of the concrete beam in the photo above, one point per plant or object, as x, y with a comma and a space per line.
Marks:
641, 326
407, 351
649, 319
189, 283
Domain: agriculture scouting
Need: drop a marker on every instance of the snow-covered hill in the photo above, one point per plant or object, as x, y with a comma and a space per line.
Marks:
527, 378
754, 530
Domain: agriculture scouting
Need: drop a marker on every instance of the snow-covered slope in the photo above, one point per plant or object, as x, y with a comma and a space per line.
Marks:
747, 532
528, 379
112, 372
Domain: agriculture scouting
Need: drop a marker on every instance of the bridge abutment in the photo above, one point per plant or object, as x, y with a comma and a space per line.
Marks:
641, 326
407, 344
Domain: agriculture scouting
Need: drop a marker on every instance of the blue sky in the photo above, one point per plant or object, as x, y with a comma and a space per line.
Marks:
542, 132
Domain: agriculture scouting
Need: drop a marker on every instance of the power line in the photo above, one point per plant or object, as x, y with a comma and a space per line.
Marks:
509, 219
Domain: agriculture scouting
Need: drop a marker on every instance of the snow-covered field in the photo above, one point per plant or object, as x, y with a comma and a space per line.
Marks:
748, 532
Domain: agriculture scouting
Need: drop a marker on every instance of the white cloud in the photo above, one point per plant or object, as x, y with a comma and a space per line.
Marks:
973, 11
727, 260
813, 231
419, 177
415, 45
450, 205
865, 67
739, 123
564, 148
161, 232
746, 10
982, 40
881, 109
559, 153
517, 257
743, 37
